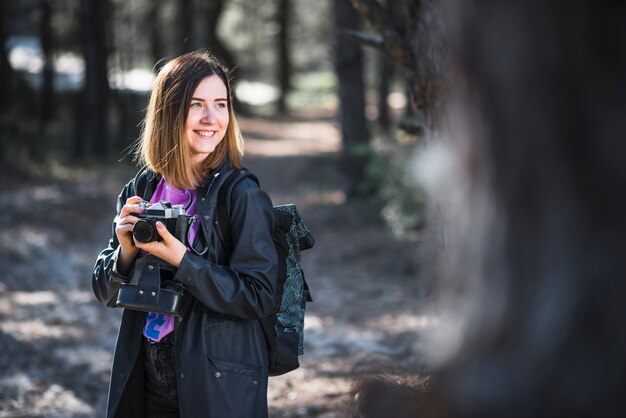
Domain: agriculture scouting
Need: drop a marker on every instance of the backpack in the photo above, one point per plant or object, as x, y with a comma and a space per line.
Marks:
284, 330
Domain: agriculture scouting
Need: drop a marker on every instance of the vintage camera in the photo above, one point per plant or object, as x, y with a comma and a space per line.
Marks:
172, 216
152, 287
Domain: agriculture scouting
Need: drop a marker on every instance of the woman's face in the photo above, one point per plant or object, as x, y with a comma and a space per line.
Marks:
208, 117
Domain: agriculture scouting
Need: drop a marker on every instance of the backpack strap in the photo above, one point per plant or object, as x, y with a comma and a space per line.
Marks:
145, 183
224, 197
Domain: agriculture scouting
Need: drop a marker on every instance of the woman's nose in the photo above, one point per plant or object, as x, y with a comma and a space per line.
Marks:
207, 115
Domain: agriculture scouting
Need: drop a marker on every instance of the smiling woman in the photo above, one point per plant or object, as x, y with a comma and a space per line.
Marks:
205, 355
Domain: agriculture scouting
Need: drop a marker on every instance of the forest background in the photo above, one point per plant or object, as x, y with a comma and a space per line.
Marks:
80, 73
319, 115
459, 163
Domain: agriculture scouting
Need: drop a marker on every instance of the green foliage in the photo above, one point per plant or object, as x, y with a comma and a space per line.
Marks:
316, 89
389, 176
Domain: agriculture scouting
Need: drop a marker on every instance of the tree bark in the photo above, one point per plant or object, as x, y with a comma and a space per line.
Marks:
354, 126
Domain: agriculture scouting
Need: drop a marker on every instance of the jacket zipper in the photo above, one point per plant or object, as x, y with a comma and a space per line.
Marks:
215, 176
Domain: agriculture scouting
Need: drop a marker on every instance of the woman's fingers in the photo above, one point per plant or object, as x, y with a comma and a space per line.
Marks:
128, 219
168, 248
124, 229
132, 206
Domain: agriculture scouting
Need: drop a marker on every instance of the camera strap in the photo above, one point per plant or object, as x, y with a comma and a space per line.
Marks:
199, 241
147, 277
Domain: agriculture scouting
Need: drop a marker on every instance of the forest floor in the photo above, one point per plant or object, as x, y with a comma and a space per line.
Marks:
56, 341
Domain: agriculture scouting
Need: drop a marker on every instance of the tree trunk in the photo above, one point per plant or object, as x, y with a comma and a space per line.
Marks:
541, 228
185, 16
213, 12
155, 29
92, 113
284, 55
385, 71
532, 316
385, 76
17, 99
7, 75
413, 35
349, 69
47, 88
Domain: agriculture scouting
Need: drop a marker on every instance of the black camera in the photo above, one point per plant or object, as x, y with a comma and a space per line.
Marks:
172, 216
152, 287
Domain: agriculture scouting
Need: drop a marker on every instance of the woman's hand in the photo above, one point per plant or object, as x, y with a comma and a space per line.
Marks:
124, 224
168, 249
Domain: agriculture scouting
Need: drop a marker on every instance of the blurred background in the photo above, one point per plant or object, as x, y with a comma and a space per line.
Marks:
460, 164
76, 74
327, 122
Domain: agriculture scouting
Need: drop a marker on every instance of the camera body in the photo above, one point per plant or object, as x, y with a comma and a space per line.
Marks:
172, 216
152, 287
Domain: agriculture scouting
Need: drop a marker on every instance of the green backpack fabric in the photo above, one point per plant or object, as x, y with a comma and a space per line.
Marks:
285, 328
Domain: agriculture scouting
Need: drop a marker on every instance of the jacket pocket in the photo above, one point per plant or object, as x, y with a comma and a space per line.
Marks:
238, 387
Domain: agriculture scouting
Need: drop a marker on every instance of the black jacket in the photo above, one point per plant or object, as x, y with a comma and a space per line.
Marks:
221, 351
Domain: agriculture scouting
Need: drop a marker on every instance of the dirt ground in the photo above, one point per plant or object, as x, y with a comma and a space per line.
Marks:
56, 340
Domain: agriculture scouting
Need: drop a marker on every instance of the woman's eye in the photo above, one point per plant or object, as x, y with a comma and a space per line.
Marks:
196, 104
221, 105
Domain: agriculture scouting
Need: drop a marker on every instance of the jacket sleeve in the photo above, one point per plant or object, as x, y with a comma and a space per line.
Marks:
246, 287
106, 281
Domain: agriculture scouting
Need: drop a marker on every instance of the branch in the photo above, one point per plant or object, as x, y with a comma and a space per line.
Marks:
379, 19
362, 38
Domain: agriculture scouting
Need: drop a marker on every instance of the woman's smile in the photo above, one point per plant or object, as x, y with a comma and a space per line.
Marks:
206, 134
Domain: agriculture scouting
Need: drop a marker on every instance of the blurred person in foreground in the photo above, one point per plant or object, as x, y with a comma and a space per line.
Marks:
210, 358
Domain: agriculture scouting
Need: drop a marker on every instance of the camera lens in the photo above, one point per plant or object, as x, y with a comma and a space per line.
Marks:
145, 231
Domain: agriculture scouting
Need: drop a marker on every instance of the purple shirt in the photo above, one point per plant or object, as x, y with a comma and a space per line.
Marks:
159, 325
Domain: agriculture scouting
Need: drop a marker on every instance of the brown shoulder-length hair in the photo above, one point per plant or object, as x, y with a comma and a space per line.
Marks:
162, 146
